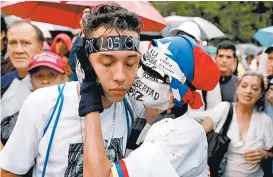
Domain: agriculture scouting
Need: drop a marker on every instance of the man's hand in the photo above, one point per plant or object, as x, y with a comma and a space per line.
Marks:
90, 88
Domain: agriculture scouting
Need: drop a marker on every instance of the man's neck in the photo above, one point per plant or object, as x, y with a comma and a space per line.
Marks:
106, 103
244, 111
22, 73
226, 74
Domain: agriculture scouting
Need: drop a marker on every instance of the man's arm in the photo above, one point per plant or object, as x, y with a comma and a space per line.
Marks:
96, 163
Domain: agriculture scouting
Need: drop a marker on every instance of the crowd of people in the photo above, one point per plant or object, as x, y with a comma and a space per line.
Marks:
98, 106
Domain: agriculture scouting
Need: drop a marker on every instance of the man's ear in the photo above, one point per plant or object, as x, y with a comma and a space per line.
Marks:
41, 48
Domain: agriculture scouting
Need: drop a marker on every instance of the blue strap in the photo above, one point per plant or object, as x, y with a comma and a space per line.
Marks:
54, 126
55, 107
128, 109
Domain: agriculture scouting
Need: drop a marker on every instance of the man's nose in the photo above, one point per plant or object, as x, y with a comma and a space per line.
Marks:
119, 73
19, 48
224, 59
46, 81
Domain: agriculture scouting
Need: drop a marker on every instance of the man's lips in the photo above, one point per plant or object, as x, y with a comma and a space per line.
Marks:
118, 91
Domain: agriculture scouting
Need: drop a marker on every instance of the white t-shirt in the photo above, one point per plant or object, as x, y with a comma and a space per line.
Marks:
172, 147
27, 144
258, 136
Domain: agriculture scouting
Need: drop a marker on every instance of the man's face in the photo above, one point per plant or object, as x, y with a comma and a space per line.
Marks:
116, 70
60, 47
225, 61
269, 64
46, 77
22, 45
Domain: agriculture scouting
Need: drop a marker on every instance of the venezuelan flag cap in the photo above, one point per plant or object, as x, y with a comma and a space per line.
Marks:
198, 67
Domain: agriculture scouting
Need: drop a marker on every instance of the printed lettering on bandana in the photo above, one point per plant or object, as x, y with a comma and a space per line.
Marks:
162, 64
111, 43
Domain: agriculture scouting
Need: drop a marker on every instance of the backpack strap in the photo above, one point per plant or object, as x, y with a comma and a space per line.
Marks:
59, 102
228, 120
204, 95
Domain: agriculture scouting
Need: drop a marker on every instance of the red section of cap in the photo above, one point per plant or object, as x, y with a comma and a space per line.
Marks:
193, 98
206, 72
47, 59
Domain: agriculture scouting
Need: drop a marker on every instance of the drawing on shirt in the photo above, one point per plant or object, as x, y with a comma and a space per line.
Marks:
114, 151
75, 156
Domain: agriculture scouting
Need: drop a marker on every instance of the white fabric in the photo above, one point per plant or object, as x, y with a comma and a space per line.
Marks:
213, 99
263, 63
26, 142
178, 145
150, 93
188, 27
258, 136
14, 96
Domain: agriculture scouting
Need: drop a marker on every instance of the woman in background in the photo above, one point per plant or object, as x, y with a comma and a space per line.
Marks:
250, 131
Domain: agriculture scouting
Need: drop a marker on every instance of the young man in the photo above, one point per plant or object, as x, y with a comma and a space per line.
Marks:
171, 145
226, 60
46, 69
115, 32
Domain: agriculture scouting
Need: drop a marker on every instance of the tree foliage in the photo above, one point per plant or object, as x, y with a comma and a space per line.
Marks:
239, 19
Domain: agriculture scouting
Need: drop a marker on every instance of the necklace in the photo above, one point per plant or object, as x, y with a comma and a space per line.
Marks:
111, 131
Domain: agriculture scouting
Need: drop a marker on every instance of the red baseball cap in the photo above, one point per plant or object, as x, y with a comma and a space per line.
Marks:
47, 59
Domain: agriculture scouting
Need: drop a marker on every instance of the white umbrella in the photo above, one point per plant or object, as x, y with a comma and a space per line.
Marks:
208, 30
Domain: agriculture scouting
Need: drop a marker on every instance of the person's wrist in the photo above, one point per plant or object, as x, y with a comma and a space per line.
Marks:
90, 100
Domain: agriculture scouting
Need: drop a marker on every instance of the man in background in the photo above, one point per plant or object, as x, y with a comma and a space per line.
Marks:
226, 60
24, 41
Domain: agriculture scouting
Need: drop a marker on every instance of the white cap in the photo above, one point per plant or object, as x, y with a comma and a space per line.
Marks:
188, 27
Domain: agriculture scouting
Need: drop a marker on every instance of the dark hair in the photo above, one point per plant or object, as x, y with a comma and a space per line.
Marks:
113, 17
3, 25
39, 33
227, 45
260, 103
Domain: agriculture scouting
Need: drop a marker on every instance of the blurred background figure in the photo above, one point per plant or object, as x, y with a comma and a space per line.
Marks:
62, 45
188, 28
6, 65
266, 68
226, 61
46, 69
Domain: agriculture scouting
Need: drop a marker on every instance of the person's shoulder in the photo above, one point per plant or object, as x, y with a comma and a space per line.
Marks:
8, 78
234, 77
42, 95
51, 92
